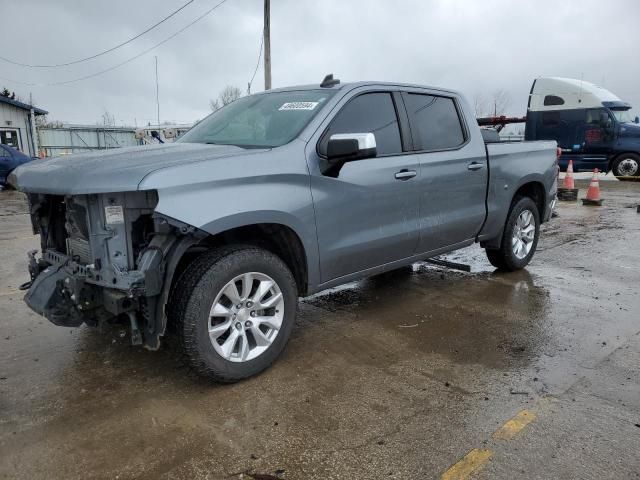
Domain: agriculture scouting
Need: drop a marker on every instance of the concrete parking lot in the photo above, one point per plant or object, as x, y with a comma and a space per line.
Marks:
421, 373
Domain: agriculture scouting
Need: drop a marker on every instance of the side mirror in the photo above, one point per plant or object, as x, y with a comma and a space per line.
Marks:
347, 147
636, 120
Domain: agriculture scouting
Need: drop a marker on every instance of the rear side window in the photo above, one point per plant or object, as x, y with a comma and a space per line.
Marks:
368, 113
435, 123
552, 100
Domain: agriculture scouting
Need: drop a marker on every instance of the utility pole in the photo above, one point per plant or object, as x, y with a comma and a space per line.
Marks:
157, 92
35, 144
267, 45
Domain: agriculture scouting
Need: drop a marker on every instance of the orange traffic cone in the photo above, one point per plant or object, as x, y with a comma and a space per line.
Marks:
568, 192
593, 193
568, 177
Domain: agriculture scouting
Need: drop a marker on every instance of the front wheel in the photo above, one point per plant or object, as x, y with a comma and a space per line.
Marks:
233, 310
520, 237
627, 167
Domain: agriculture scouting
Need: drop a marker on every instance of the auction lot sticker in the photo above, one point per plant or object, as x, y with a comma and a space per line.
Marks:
299, 106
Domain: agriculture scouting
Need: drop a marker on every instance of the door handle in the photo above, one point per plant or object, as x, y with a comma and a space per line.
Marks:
405, 174
475, 166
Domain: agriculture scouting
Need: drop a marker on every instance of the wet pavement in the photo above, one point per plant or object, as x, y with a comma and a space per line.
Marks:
398, 376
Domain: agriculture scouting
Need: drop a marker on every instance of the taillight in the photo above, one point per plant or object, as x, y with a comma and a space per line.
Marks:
558, 153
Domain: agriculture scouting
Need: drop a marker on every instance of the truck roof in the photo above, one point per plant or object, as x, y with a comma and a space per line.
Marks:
351, 85
558, 93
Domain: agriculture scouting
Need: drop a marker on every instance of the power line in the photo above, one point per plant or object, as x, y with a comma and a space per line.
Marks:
144, 52
80, 60
257, 64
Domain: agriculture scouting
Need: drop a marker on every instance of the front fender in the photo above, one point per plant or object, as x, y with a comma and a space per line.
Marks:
219, 209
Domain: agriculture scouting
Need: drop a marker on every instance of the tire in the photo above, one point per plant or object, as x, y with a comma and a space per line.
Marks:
505, 258
627, 167
250, 344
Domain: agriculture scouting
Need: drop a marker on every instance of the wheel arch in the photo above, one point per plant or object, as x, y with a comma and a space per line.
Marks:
278, 238
535, 190
531, 187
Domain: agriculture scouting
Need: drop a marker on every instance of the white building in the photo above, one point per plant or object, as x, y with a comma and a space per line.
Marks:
18, 125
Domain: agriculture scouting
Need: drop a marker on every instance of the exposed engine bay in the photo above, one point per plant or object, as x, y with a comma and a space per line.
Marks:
104, 257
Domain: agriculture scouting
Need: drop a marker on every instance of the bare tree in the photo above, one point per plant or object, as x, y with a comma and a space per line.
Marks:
44, 122
108, 119
228, 95
500, 101
214, 104
480, 104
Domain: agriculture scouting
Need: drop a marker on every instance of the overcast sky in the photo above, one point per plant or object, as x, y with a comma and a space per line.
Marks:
473, 46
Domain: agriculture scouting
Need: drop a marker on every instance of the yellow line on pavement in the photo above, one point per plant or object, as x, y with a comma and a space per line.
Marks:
515, 425
470, 463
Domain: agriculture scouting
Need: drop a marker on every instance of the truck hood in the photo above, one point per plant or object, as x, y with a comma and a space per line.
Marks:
116, 170
630, 130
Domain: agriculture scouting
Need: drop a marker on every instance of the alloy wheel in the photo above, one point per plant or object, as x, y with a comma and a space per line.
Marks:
246, 316
524, 233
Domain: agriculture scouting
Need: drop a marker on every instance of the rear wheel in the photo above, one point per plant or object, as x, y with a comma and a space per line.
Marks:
233, 311
627, 167
520, 237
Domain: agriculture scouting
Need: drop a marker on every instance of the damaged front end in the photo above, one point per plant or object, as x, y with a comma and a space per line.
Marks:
105, 257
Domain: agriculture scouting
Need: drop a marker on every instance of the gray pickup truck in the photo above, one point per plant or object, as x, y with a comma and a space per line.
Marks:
211, 239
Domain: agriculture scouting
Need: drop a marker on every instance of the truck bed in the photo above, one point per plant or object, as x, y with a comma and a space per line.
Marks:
512, 164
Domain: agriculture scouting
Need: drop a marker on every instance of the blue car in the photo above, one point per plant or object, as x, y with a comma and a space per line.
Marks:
10, 158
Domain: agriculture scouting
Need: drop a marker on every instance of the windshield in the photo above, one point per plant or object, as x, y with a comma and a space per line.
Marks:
264, 120
623, 116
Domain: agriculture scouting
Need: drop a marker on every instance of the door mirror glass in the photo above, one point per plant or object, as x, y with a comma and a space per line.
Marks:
346, 147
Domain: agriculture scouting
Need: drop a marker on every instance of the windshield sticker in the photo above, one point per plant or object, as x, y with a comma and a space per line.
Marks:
299, 106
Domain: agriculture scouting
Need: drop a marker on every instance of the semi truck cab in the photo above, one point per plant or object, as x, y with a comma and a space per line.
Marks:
593, 127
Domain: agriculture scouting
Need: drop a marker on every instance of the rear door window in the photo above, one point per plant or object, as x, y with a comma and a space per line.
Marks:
368, 113
435, 123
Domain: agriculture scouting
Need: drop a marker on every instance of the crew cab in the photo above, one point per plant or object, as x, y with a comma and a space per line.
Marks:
211, 240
